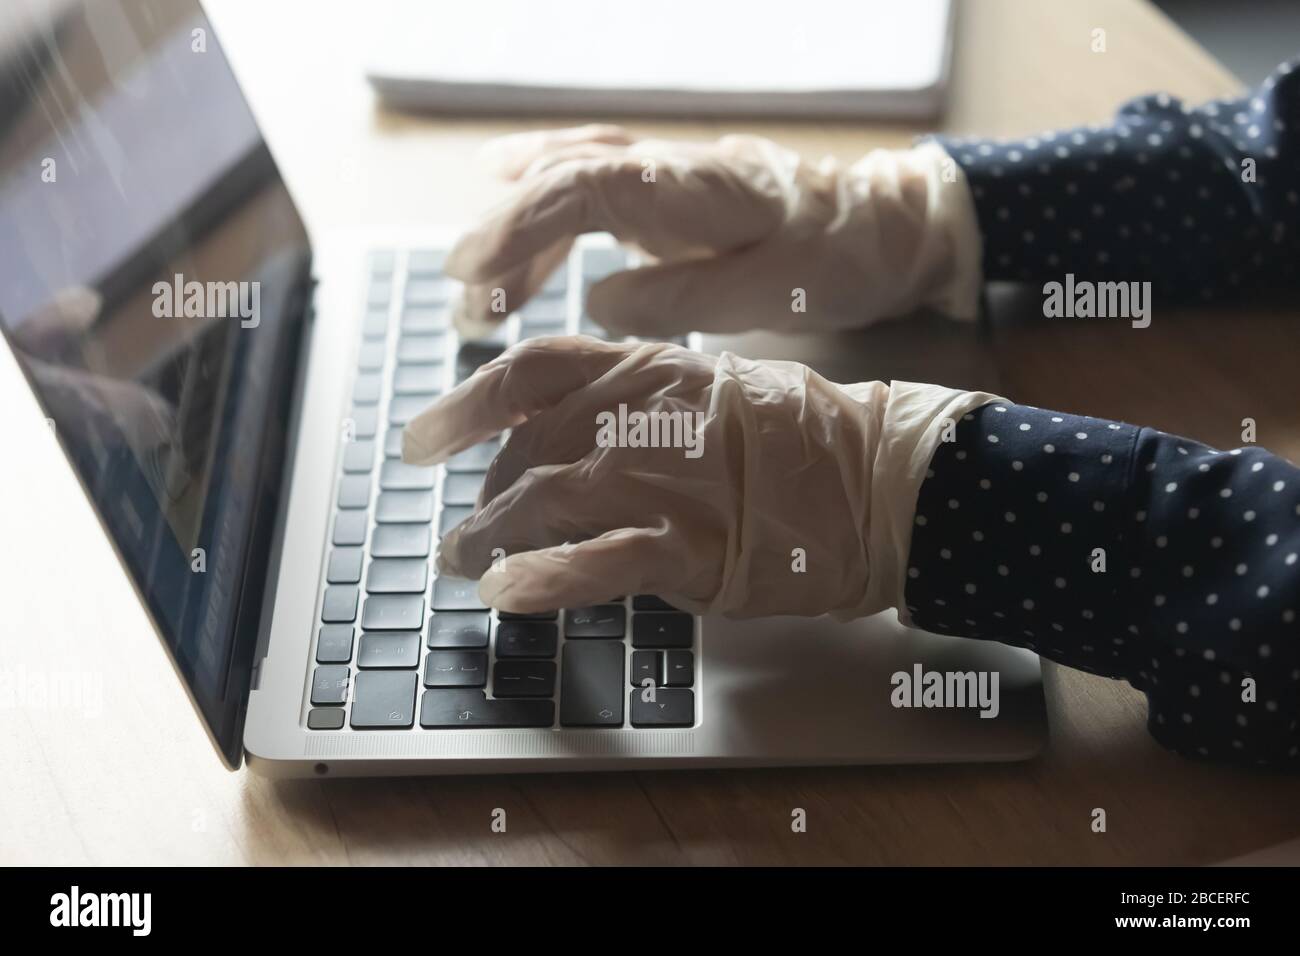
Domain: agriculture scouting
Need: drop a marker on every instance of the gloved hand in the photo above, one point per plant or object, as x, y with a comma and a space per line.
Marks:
745, 234
793, 497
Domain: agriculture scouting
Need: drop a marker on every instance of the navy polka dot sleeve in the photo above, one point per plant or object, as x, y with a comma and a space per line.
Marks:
1200, 201
1127, 553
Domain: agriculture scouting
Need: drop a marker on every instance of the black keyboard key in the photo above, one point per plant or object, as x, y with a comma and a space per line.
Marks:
344, 566
389, 649
397, 576
547, 309
556, 282
603, 620
417, 380
405, 407
679, 668
358, 457
672, 707
401, 541
354, 491
461, 488
526, 639
455, 669
648, 602
365, 422
393, 443
371, 357
451, 516
455, 708
472, 355
430, 291
453, 629
456, 594
663, 630
404, 507
384, 700
592, 684
393, 612
647, 664
334, 644
350, 528
399, 476
475, 457
523, 679
329, 684
600, 261
424, 262
367, 389
375, 323
421, 349
325, 718
538, 616
424, 319
340, 604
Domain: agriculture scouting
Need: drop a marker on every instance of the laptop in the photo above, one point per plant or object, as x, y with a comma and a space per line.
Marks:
231, 390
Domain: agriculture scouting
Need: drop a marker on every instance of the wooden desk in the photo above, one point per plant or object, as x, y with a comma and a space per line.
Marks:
132, 778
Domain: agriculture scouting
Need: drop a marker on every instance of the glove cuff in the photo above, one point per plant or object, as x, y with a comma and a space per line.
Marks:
913, 425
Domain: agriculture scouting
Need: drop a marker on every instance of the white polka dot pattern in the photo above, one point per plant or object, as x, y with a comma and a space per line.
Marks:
1198, 591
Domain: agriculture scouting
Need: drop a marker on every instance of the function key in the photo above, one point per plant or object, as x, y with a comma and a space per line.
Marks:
350, 528
344, 566
340, 604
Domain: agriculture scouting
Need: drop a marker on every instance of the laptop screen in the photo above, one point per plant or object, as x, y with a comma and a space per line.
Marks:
153, 275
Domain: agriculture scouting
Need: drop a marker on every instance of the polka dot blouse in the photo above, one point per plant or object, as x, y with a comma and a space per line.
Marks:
1203, 202
1124, 552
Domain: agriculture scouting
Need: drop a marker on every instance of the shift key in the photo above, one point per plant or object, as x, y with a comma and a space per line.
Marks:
591, 684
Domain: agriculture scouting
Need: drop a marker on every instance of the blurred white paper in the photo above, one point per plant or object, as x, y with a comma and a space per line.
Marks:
668, 57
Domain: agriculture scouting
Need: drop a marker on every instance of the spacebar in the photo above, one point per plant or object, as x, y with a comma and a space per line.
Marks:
467, 707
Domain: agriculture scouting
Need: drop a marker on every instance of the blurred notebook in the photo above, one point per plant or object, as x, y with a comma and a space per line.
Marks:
673, 58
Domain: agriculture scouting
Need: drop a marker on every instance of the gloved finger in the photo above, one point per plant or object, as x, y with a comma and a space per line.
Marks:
655, 375
677, 208
750, 289
480, 309
549, 506
505, 392
623, 561
510, 156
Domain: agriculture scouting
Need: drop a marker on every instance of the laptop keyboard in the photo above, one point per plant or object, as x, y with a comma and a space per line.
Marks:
399, 647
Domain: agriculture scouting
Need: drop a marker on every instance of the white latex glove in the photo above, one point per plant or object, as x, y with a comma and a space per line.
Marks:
788, 464
737, 226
